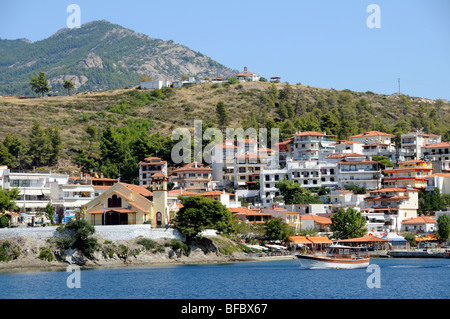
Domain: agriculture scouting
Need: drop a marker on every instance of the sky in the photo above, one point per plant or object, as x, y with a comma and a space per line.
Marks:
323, 43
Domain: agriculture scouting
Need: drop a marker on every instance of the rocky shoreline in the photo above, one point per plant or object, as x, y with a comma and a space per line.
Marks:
43, 255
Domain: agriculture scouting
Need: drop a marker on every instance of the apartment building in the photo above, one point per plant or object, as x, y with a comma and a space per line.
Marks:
412, 144
376, 143
358, 169
193, 177
223, 155
150, 166
410, 173
247, 170
313, 145
437, 152
386, 208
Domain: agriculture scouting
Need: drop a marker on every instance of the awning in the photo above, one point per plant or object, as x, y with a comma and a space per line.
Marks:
320, 240
367, 238
24, 191
299, 240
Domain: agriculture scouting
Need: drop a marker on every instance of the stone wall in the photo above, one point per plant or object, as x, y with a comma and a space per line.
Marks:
113, 233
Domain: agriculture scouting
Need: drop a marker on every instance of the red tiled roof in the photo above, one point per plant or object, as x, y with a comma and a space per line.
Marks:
420, 220
373, 133
311, 133
437, 145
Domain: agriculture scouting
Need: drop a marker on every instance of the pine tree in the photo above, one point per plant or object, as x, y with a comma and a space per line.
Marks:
39, 84
68, 85
222, 115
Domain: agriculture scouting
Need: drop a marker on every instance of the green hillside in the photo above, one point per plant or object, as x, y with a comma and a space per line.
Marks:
105, 131
99, 55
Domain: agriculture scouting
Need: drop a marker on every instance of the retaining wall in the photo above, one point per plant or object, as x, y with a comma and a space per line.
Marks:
113, 233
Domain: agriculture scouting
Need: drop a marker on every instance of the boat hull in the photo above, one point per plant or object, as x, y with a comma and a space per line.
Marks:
316, 262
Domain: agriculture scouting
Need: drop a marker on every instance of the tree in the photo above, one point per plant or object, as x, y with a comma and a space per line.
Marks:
40, 145
7, 198
80, 232
199, 213
293, 193
276, 229
443, 224
39, 84
222, 114
348, 224
68, 85
383, 161
50, 212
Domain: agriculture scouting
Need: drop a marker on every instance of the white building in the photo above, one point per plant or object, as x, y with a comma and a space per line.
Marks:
357, 169
155, 85
437, 152
377, 144
150, 166
313, 145
440, 181
413, 143
386, 208
348, 147
247, 76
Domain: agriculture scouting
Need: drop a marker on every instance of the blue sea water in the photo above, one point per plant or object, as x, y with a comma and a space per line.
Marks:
398, 278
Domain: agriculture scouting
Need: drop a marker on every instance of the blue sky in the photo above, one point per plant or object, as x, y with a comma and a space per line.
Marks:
320, 43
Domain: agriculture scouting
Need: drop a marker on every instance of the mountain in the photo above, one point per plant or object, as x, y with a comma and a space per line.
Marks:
99, 55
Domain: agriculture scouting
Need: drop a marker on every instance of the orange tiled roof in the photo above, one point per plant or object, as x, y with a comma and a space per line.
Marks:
311, 133
139, 189
419, 220
393, 189
373, 133
317, 219
437, 145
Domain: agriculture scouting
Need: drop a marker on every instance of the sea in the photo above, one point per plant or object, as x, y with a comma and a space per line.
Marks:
255, 282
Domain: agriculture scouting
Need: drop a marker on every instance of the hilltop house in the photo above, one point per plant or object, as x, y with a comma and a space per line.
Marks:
247, 76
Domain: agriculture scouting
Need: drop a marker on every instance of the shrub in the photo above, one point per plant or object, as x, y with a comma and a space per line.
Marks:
147, 243
45, 254
7, 252
176, 245
76, 235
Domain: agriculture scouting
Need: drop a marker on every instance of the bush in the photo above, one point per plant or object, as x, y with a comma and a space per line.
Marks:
7, 252
147, 243
45, 254
178, 245
76, 235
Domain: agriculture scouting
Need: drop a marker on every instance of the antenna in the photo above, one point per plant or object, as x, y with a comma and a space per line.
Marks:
398, 86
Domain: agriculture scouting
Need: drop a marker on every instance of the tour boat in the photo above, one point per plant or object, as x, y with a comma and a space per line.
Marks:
337, 257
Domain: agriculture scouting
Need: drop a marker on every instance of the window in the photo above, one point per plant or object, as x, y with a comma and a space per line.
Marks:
114, 201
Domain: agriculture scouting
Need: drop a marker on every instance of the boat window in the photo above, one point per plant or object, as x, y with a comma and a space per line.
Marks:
340, 251
346, 251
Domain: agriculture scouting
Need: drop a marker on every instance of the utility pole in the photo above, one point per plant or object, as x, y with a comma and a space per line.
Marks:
398, 86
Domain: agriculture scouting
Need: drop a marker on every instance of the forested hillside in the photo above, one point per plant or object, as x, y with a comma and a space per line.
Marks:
112, 131
99, 55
